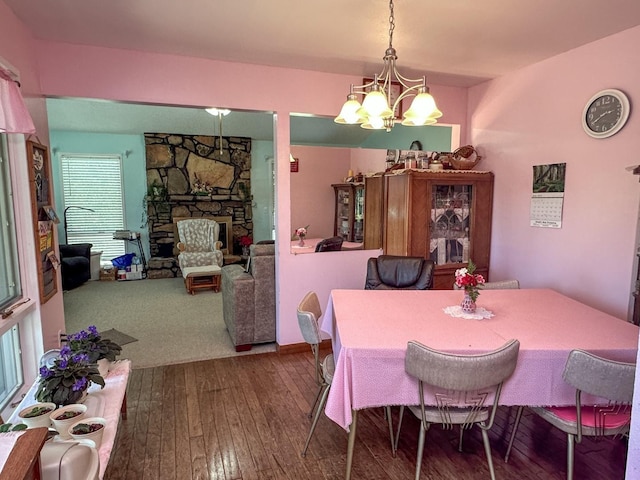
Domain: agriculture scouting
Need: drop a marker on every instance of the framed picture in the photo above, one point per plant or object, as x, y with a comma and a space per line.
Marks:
396, 91
44, 216
51, 213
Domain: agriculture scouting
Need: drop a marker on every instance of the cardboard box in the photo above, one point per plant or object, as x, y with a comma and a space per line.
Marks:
107, 274
134, 276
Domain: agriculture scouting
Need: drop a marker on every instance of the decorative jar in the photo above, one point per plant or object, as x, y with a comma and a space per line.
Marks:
468, 305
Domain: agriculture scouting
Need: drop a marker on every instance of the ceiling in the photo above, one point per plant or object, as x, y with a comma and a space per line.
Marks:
455, 42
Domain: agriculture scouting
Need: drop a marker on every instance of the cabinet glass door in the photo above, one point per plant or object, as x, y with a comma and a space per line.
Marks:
358, 222
343, 206
450, 223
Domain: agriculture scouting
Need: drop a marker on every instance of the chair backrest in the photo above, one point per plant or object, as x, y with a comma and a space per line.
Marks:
461, 372
309, 314
500, 285
599, 376
391, 272
332, 244
198, 234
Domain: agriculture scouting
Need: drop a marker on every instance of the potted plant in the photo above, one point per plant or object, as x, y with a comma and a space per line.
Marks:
245, 242
88, 429
67, 380
65, 416
37, 415
99, 350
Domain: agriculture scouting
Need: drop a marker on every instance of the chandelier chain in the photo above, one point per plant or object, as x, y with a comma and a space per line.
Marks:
392, 24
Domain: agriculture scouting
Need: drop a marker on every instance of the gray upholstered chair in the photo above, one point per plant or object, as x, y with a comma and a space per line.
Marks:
199, 243
456, 379
309, 314
596, 376
500, 285
249, 298
391, 272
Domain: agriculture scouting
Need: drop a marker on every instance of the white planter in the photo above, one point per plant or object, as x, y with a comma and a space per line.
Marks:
62, 426
95, 437
41, 420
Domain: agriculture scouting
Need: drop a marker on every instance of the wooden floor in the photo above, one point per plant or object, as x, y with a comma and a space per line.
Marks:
246, 418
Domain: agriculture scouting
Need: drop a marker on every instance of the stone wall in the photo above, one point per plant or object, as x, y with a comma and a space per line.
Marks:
194, 176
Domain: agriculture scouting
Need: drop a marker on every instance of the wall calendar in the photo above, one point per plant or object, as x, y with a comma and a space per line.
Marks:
547, 197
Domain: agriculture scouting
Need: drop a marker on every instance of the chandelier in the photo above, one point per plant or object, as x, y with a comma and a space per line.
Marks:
220, 113
378, 108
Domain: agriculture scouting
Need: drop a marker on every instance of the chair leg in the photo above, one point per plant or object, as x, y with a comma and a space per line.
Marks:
423, 431
315, 402
395, 443
390, 422
513, 432
571, 445
323, 400
487, 450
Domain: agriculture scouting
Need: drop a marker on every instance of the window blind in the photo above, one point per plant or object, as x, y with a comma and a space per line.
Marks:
94, 201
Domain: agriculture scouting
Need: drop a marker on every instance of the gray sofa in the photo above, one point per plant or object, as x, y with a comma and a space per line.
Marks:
249, 298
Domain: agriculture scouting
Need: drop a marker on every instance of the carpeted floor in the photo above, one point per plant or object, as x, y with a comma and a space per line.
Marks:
170, 325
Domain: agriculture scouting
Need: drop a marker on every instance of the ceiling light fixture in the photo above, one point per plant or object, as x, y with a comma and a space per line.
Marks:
377, 110
220, 113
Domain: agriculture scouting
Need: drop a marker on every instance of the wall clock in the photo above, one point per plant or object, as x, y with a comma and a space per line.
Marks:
605, 113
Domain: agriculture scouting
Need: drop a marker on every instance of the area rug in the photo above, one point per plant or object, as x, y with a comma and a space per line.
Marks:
116, 336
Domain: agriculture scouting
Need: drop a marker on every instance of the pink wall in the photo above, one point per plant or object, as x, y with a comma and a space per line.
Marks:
532, 117
311, 193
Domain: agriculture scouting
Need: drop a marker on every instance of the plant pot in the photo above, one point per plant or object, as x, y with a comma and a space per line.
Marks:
95, 436
62, 425
103, 367
42, 419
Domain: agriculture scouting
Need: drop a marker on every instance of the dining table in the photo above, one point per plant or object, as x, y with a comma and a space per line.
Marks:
370, 330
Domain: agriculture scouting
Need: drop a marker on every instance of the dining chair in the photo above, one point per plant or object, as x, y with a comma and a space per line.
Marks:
597, 376
309, 314
462, 385
333, 244
500, 285
397, 272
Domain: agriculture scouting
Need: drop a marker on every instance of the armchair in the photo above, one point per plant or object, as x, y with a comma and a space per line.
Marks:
75, 261
333, 244
390, 272
198, 243
249, 298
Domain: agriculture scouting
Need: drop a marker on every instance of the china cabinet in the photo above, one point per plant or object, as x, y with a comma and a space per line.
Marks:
373, 211
349, 212
444, 216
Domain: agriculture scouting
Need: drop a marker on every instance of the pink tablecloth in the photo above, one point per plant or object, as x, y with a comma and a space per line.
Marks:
370, 330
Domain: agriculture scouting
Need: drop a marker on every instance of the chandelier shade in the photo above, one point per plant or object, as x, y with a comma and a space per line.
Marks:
377, 109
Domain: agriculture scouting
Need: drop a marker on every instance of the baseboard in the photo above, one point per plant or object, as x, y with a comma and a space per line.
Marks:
299, 347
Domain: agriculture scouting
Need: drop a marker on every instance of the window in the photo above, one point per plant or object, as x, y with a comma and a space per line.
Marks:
9, 271
10, 358
10, 365
94, 203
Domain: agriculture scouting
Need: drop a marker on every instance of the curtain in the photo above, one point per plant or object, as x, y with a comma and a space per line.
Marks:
14, 116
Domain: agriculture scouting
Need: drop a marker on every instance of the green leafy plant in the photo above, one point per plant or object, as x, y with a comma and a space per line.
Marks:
84, 428
37, 411
91, 342
68, 378
8, 427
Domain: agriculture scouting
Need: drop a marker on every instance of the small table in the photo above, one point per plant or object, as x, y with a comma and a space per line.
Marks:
197, 278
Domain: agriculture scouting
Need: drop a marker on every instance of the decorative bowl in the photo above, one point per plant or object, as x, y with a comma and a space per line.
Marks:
41, 419
62, 424
464, 158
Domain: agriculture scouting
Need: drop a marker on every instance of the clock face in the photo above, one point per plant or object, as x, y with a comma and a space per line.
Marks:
605, 113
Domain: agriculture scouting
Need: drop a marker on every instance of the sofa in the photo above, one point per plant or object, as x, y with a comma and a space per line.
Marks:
249, 298
75, 261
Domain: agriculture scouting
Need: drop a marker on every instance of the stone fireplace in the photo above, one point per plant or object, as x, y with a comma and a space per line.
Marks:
192, 176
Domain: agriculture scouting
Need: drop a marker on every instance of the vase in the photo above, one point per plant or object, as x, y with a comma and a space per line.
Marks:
468, 305
301, 242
